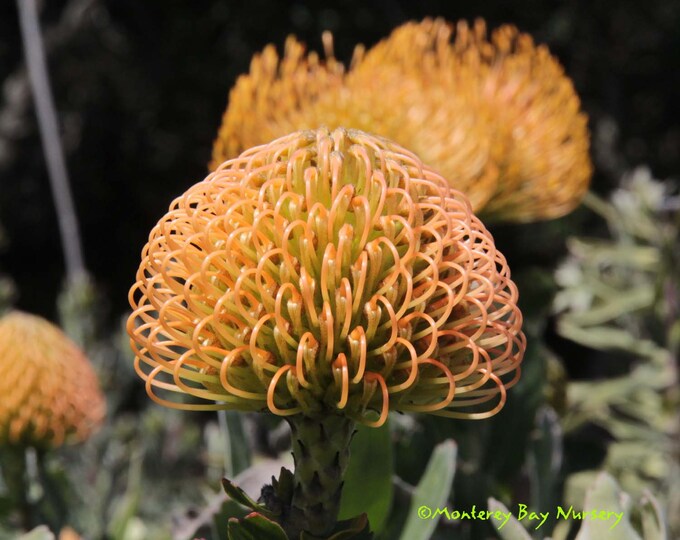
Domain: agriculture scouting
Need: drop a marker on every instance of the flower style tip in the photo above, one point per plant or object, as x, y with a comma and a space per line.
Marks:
497, 117
326, 272
50, 393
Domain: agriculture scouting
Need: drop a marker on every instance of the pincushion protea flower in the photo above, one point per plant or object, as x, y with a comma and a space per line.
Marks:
498, 118
328, 278
50, 393
326, 272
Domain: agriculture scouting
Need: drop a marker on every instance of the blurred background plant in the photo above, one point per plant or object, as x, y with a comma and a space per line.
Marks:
140, 89
620, 295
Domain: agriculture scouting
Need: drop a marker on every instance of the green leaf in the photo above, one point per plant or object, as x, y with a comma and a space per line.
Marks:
597, 252
617, 304
653, 526
235, 443
400, 510
356, 528
220, 519
255, 527
368, 479
605, 495
432, 493
545, 459
241, 497
126, 506
513, 529
608, 338
39, 533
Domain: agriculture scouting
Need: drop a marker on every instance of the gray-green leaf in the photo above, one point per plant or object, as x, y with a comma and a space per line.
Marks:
39, 533
605, 495
432, 493
512, 530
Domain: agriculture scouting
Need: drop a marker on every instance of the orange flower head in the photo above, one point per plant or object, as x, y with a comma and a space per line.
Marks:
326, 273
50, 393
545, 164
278, 96
517, 92
497, 118
422, 92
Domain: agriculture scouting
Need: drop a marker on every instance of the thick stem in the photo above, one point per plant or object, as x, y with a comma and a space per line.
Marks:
321, 454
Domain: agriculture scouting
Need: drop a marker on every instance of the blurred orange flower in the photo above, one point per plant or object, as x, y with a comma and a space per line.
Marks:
279, 96
545, 167
326, 272
496, 117
50, 393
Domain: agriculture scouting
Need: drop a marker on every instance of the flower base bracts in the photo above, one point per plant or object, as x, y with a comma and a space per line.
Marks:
321, 454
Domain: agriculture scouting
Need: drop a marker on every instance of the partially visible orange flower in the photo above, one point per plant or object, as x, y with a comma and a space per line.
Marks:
50, 393
420, 91
497, 118
278, 96
326, 273
545, 164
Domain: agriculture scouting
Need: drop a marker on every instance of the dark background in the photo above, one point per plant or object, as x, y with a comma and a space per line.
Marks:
140, 89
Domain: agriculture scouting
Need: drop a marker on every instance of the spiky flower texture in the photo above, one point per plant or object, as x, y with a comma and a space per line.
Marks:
496, 116
50, 393
326, 273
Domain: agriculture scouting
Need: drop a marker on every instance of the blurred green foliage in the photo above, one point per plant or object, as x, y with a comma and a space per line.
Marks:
603, 492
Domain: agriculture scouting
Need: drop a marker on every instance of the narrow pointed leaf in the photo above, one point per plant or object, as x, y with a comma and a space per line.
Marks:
432, 493
255, 527
241, 497
605, 494
512, 530
653, 525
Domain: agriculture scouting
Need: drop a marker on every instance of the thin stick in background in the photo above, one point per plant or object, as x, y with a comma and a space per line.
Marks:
49, 133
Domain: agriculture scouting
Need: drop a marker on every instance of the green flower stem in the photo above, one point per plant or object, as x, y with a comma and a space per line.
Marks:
13, 465
321, 454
